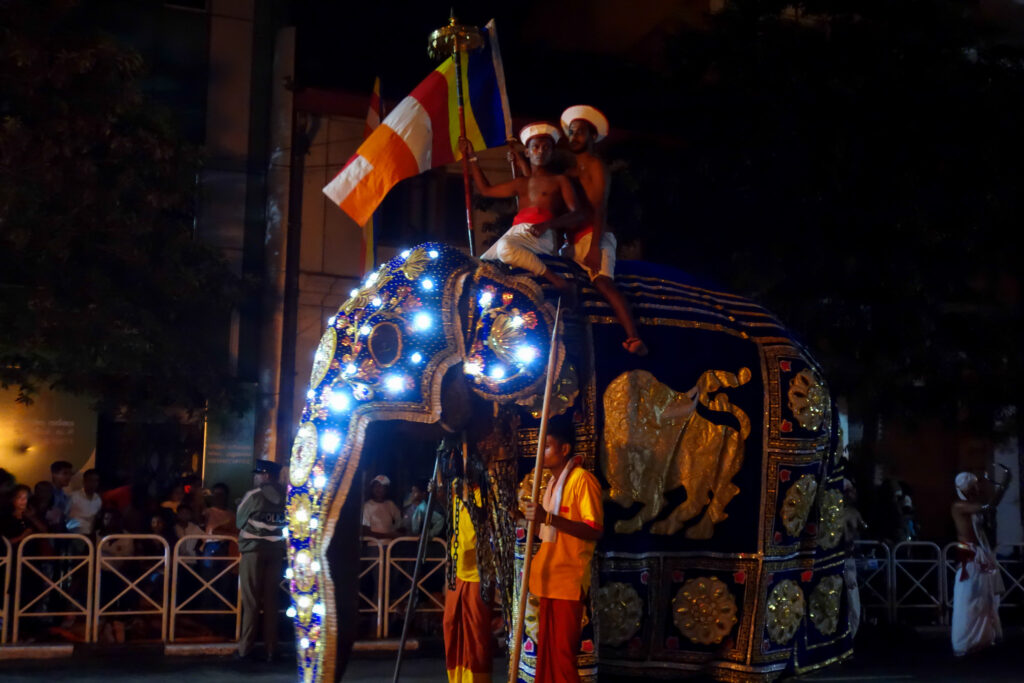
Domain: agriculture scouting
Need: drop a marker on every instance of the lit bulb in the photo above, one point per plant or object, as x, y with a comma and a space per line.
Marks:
330, 442
526, 354
318, 609
376, 301
405, 254
330, 321
497, 372
290, 612
485, 299
353, 293
314, 523
395, 383
305, 602
288, 573
310, 394
416, 357
371, 278
364, 330
473, 368
432, 253
427, 284
301, 515
304, 643
301, 558
421, 321
315, 566
284, 532
319, 481
339, 402
350, 369
517, 321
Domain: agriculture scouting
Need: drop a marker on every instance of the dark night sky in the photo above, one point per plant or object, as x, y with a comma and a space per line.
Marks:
556, 53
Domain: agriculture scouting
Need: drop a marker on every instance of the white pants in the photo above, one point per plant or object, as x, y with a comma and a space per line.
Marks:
519, 247
578, 251
976, 603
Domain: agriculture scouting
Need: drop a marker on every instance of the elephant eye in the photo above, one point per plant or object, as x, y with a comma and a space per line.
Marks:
385, 344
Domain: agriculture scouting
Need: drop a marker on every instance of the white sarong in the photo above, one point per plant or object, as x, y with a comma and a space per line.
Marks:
976, 592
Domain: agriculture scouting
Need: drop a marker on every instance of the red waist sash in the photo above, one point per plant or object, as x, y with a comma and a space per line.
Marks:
575, 237
532, 215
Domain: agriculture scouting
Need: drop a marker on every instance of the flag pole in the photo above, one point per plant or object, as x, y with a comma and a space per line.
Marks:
524, 585
454, 39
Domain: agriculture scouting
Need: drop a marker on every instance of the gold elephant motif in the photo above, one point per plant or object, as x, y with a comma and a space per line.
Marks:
656, 441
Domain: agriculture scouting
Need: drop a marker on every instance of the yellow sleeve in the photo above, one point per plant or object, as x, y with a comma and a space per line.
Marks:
588, 503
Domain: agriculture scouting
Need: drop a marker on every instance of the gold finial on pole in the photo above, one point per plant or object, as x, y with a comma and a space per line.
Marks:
452, 40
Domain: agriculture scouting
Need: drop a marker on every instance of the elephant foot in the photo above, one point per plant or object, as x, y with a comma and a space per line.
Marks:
702, 531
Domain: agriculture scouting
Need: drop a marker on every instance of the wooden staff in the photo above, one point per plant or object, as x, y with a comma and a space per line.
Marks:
524, 587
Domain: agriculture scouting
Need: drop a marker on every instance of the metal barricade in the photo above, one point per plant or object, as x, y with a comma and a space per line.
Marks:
1010, 557
113, 567
372, 560
918, 583
66, 567
183, 565
5, 583
400, 569
874, 577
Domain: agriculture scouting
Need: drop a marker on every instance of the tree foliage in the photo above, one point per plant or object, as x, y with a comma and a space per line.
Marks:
105, 290
855, 166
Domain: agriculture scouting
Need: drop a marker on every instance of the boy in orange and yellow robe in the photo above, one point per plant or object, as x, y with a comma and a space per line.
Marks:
572, 521
468, 640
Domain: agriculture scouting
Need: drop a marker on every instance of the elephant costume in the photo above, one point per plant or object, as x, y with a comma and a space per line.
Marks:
718, 453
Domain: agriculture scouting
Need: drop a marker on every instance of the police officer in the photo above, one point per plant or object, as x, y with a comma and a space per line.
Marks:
261, 540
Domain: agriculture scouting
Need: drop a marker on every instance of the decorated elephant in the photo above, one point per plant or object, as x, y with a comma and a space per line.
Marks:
718, 452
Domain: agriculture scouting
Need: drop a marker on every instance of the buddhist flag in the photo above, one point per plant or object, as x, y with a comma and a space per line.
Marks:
366, 263
423, 130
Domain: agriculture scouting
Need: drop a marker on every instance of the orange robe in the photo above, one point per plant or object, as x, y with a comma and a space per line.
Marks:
468, 641
560, 578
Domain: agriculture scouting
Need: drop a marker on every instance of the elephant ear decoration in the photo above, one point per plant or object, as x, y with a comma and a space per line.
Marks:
508, 327
383, 356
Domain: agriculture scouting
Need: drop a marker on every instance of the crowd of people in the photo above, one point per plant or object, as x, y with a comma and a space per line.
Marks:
184, 511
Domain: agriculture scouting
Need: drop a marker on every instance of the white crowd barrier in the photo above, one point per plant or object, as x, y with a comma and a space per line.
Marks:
398, 579
196, 599
5, 583
119, 595
57, 561
918, 582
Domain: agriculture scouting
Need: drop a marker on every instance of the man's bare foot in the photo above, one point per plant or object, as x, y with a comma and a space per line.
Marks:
635, 346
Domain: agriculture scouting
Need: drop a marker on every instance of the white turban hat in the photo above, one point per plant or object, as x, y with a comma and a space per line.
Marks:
589, 114
964, 481
541, 128
382, 479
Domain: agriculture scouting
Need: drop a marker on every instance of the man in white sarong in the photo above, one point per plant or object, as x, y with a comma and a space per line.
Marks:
978, 585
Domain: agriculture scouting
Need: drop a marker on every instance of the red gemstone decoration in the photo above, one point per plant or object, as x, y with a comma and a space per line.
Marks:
645, 577
787, 426
740, 577
778, 537
528, 647
785, 365
784, 475
587, 646
806, 576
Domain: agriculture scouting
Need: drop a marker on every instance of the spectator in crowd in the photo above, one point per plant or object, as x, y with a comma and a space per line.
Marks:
6, 488
19, 520
84, 505
41, 501
60, 477
416, 510
381, 517
174, 498
219, 518
184, 526
161, 523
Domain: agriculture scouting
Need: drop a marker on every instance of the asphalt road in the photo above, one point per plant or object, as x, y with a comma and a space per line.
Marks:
882, 656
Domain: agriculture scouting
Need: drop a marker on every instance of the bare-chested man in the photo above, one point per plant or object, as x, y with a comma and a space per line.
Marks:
542, 196
978, 585
590, 243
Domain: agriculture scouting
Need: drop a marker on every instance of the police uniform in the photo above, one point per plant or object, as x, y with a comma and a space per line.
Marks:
261, 540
